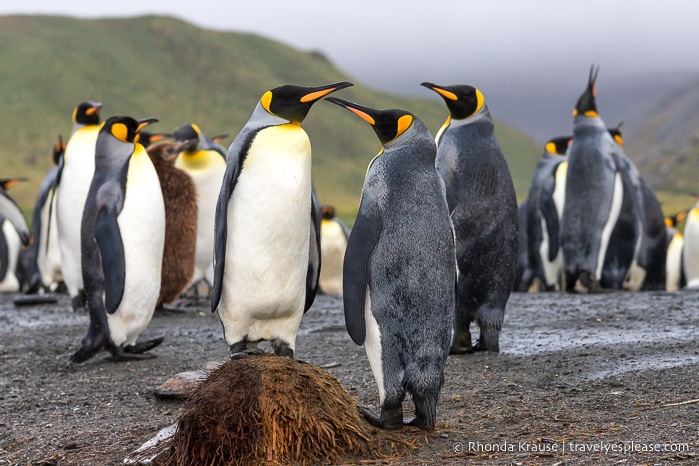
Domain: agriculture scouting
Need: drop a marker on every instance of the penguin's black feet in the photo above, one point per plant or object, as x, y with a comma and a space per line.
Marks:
78, 301
425, 412
390, 419
240, 350
461, 344
142, 347
590, 282
281, 348
489, 340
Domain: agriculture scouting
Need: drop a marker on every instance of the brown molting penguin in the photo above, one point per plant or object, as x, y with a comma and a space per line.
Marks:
179, 193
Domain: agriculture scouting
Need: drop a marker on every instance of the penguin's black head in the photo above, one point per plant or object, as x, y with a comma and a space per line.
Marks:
327, 212
126, 129
559, 145
58, 150
387, 124
87, 113
462, 100
586, 103
294, 102
615, 133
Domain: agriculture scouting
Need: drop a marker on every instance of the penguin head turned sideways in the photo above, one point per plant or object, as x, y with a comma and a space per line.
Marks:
388, 124
126, 129
615, 133
327, 212
559, 145
188, 137
58, 150
292, 103
586, 105
462, 100
87, 113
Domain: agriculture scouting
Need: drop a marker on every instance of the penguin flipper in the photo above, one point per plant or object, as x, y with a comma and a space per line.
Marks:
552, 225
355, 273
111, 249
4, 252
313, 273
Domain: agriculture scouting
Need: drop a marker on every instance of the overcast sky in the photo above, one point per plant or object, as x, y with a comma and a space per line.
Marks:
394, 45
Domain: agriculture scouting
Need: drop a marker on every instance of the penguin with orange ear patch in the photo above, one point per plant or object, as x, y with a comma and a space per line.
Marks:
483, 206
14, 235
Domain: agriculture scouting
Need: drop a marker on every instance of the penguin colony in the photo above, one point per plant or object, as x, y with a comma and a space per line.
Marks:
126, 222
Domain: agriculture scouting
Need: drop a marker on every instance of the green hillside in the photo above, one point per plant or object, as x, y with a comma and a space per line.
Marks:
169, 69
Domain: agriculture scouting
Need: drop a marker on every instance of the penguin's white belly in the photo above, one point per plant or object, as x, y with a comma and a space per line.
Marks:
142, 227
9, 283
615, 209
673, 263
372, 345
691, 249
552, 269
208, 182
75, 183
267, 247
49, 254
332, 253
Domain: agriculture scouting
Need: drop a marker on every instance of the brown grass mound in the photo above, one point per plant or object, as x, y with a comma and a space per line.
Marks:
270, 410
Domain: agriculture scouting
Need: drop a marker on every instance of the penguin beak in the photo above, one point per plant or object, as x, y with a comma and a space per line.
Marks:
7, 184
441, 90
321, 91
186, 145
145, 122
362, 112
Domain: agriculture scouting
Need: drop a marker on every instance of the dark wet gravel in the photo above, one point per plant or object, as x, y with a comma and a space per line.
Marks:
581, 379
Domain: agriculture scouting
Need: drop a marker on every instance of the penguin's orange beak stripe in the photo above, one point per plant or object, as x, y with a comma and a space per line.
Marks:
444, 93
364, 116
91, 111
313, 96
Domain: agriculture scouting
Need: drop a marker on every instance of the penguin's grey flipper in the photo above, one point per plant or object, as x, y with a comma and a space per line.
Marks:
111, 248
4, 252
355, 271
313, 273
230, 178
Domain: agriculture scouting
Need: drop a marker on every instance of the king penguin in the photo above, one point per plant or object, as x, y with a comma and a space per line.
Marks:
205, 162
73, 181
674, 270
690, 253
180, 197
483, 207
399, 269
43, 259
14, 235
333, 243
267, 245
545, 207
122, 237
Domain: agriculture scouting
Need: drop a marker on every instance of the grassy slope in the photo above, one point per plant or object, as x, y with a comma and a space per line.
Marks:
163, 67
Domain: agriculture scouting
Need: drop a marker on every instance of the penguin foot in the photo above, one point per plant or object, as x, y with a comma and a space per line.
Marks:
489, 340
78, 301
281, 348
122, 356
389, 419
245, 353
142, 347
461, 344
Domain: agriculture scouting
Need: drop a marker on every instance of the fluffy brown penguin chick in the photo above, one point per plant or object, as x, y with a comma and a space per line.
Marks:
180, 196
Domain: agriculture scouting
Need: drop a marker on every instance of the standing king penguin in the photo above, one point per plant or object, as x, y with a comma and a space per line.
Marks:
44, 255
14, 235
690, 252
483, 207
73, 181
399, 270
205, 162
333, 244
267, 243
674, 269
545, 207
122, 236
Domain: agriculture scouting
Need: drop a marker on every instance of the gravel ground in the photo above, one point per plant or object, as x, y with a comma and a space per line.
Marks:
581, 379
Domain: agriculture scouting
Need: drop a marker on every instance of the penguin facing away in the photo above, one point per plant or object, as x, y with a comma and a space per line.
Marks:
690, 253
43, 258
545, 207
73, 181
266, 266
180, 197
205, 162
483, 206
399, 269
14, 235
333, 243
122, 236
